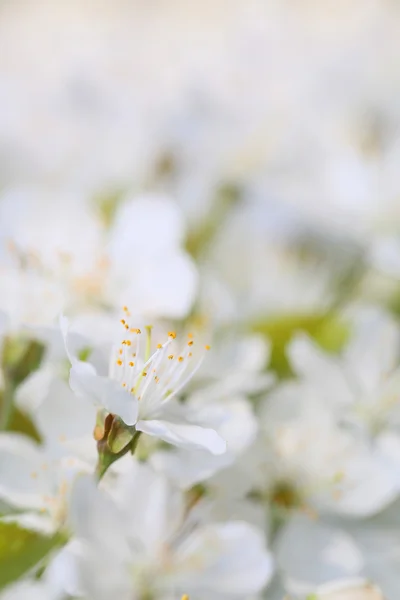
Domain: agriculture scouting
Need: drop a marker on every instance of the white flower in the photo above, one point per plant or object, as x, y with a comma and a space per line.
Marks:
79, 263
37, 478
362, 386
305, 456
147, 542
140, 387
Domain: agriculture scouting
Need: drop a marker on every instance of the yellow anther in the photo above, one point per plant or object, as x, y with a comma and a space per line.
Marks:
123, 321
185, 597
126, 326
170, 356
190, 354
172, 334
133, 354
125, 308
159, 346
132, 390
131, 364
157, 379
191, 343
128, 342
207, 347
120, 350
124, 385
134, 330
124, 342
180, 358
119, 362
190, 335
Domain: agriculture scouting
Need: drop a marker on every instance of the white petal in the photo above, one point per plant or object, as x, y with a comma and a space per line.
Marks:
103, 392
233, 559
373, 350
184, 435
23, 481
64, 326
311, 363
63, 419
186, 468
314, 553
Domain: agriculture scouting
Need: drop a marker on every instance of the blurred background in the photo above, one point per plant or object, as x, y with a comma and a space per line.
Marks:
273, 125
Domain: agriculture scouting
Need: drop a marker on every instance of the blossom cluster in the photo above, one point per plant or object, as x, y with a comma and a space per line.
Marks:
199, 300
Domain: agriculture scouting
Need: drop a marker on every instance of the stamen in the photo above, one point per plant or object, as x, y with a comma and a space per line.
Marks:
123, 321
180, 358
148, 342
131, 364
119, 362
172, 334
191, 343
159, 346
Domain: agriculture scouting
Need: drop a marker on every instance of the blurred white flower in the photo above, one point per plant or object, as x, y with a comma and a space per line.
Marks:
362, 386
36, 478
56, 253
146, 542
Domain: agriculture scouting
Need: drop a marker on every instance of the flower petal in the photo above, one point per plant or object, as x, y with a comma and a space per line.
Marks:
103, 392
184, 435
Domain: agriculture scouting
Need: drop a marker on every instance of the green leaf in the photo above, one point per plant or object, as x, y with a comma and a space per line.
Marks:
328, 330
21, 550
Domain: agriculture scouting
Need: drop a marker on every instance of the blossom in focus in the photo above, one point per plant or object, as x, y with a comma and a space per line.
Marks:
140, 387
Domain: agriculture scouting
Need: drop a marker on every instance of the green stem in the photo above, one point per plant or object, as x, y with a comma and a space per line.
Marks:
7, 402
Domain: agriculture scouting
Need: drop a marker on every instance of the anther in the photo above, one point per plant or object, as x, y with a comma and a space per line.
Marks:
119, 362
207, 347
172, 334
191, 343
131, 364
180, 358
123, 321
170, 356
159, 346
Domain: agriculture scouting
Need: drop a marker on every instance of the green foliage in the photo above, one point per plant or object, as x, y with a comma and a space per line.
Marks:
328, 331
21, 550
20, 359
